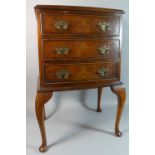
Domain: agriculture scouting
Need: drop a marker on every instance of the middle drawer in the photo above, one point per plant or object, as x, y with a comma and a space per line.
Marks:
80, 49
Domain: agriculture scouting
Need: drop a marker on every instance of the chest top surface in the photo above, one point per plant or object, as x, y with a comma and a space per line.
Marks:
78, 8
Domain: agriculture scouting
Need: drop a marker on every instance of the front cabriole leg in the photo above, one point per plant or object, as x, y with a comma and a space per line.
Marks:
119, 90
41, 99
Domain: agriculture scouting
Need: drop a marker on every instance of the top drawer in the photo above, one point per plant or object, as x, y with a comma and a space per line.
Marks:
79, 24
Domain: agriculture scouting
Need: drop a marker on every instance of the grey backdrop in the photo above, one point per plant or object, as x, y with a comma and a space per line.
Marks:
73, 111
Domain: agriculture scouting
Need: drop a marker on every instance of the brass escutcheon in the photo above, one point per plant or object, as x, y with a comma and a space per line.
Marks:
104, 26
62, 50
61, 25
102, 71
104, 50
62, 74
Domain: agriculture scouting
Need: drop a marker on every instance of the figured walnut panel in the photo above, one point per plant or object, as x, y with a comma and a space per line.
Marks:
80, 49
79, 24
80, 72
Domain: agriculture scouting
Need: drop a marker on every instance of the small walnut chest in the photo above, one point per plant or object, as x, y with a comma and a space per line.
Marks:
78, 48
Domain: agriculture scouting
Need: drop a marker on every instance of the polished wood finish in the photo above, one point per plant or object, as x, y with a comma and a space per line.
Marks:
99, 108
75, 22
41, 99
78, 9
78, 48
119, 90
83, 46
44, 114
80, 72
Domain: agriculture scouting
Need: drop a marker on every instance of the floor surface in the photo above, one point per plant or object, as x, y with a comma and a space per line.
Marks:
74, 127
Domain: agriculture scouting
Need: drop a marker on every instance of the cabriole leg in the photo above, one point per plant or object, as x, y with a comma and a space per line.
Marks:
41, 99
119, 90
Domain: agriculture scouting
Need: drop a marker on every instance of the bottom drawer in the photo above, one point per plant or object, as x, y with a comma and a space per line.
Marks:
54, 73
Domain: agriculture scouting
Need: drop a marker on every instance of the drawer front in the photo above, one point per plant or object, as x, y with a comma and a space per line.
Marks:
80, 72
79, 24
80, 49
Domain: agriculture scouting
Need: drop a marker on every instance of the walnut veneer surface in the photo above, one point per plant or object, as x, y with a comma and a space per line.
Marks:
78, 48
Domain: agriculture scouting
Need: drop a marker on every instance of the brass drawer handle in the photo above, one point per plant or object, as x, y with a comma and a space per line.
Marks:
102, 71
61, 25
62, 74
104, 26
104, 50
62, 50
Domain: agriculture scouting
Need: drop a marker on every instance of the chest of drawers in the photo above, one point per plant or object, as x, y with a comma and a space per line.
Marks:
78, 48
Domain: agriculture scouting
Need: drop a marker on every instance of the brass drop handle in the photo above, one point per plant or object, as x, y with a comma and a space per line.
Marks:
62, 74
102, 71
104, 26
61, 25
104, 50
62, 50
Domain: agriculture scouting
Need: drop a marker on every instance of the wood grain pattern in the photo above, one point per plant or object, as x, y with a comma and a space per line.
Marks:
80, 71
66, 86
119, 90
41, 99
80, 49
87, 41
80, 9
83, 67
79, 24
100, 91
